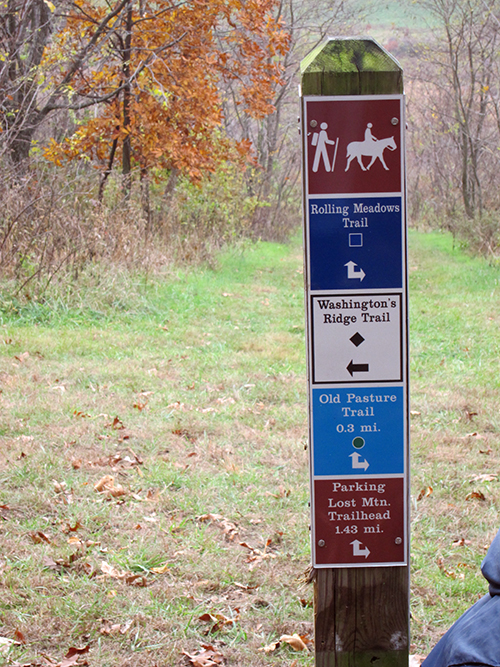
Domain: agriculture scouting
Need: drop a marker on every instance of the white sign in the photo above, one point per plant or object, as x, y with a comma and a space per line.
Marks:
357, 338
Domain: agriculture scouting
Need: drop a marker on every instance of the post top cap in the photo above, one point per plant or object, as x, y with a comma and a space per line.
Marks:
349, 54
355, 58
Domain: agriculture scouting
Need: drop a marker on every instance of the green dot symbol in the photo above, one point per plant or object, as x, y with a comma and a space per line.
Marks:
358, 443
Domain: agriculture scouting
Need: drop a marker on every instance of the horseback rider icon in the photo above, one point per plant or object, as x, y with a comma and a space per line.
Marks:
371, 147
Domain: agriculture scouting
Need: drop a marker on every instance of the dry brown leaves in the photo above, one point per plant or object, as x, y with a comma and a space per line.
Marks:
38, 537
219, 621
485, 477
74, 656
128, 577
124, 459
65, 563
475, 495
461, 542
106, 485
256, 556
452, 574
207, 656
425, 493
229, 529
296, 641
109, 628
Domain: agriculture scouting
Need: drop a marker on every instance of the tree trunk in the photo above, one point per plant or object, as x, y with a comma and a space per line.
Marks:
127, 148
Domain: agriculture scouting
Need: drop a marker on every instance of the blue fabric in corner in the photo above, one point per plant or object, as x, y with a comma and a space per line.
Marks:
474, 640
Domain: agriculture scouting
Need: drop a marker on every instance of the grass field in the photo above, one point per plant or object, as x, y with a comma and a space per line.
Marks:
153, 472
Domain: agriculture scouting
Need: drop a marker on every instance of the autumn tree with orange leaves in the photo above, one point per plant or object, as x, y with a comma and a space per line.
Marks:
145, 78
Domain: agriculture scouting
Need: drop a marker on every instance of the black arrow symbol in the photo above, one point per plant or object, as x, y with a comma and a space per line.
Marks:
357, 368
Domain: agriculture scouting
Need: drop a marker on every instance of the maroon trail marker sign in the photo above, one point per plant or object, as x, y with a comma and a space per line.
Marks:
352, 125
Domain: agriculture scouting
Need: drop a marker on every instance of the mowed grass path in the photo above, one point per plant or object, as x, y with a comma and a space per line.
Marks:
153, 472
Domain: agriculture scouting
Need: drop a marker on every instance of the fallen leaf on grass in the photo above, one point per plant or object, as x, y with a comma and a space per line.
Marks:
475, 495
229, 529
161, 570
207, 657
118, 459
65, 563
282, 493
469, 414
72, 656
485, 477
448, 573
461, 542
183, 433
115, 628
38, 537
425, 493
117, 424
152, 495
245, 587
129, 578
416, 660
219, 621
6, 643
270, 648
80, 414
19, 636
68, 528
256, 556
106, 485
297, 642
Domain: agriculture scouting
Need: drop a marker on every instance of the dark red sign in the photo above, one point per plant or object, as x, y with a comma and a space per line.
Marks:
359, 521
354, 146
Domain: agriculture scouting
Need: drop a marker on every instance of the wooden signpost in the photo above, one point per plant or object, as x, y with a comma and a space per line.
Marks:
353, 129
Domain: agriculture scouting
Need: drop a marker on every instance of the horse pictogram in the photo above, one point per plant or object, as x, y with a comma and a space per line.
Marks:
370, 147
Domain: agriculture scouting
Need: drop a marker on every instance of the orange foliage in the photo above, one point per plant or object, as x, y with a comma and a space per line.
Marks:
154, 72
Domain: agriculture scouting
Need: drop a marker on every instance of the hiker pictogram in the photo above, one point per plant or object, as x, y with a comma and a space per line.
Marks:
321, 141
370, 147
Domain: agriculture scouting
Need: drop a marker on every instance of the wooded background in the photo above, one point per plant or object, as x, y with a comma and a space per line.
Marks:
140, 132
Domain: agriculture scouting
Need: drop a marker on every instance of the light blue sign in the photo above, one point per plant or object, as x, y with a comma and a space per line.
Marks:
358, 431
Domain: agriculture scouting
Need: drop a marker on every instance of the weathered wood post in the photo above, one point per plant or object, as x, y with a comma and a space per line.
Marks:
352, 124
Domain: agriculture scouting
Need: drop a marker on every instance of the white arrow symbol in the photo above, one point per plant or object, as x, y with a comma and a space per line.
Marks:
356, 551
352, 273
356, 463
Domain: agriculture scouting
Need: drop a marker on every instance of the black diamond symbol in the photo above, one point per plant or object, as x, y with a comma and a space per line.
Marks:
357, 339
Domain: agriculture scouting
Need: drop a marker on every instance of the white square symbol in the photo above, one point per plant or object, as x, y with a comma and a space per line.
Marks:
355, 240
